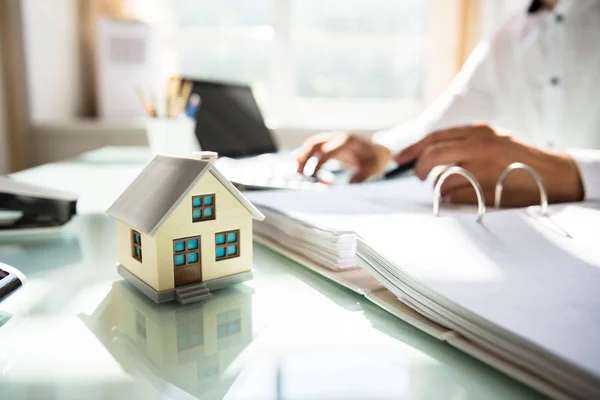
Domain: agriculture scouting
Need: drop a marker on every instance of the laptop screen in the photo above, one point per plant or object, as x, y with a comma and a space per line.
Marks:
229, 121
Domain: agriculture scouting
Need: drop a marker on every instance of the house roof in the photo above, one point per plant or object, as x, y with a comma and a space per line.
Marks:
160, 187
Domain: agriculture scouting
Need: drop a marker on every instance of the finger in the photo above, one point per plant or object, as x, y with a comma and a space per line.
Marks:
341, 147
360, 175
480, 171
306, 154
451, 152
452, 183
412, 152
325, 156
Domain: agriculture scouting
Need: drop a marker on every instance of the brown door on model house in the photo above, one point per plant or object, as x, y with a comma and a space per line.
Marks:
187, 260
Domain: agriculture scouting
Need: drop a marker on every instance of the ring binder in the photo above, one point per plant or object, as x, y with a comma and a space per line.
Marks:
536, 177
463, 172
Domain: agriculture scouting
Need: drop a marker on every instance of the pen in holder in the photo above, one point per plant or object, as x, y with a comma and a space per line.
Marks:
173, 133
172, 136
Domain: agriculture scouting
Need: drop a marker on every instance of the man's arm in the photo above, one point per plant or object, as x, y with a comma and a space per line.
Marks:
588, 162
486, 152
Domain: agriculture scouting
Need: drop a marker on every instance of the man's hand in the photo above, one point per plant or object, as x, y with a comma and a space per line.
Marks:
486, 153
364, 156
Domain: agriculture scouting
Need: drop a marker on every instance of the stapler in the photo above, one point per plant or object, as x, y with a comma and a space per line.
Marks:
10, 280
26, 206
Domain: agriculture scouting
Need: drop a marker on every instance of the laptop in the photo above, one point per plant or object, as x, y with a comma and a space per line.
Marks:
229, 122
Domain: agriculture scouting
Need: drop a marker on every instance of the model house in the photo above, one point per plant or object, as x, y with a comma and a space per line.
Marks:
183, 229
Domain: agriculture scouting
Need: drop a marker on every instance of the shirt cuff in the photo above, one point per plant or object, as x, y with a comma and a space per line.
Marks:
588, 162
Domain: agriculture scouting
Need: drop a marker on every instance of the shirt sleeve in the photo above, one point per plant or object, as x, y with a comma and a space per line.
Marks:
468, 99
588, 162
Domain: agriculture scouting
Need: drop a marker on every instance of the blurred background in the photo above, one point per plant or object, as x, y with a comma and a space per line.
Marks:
69, 69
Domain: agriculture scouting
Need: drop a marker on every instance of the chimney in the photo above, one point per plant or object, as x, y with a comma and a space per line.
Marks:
210, 156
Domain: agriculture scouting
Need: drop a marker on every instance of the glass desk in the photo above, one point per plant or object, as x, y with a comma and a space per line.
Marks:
77, 330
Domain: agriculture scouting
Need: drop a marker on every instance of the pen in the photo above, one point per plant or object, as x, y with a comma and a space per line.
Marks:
172, 90
400, 169
193, 105
148, 107
314, 179
182, 98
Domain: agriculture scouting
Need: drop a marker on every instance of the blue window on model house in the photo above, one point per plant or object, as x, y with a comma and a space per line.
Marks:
186, 251
136, 245
227, 245
203, 207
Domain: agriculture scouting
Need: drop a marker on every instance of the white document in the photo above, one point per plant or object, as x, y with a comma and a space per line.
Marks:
331, 208
320, 224
128, 60
520, 282
522, 286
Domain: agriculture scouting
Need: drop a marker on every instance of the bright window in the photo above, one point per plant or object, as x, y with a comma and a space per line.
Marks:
186, 251
330, 60
136, 245
179, 246
192, 244
203, 208
227, 245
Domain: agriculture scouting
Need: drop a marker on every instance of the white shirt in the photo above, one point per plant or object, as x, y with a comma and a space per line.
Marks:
538, 77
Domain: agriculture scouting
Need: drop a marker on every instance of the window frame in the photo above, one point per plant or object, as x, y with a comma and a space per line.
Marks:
226, 244
135, 245
202, 207
187, 251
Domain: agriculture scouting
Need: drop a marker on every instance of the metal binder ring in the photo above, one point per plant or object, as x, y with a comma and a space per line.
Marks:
536, 176
463, 172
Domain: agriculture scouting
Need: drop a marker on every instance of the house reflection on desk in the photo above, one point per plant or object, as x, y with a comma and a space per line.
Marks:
189, 346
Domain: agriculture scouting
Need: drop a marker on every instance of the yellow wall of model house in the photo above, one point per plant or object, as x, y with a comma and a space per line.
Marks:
146, 270
230, 215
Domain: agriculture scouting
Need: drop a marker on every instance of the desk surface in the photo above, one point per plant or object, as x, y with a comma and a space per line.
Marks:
76, 329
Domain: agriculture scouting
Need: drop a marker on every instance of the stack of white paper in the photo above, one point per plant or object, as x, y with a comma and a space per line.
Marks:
523, 287
316, 223
332, 249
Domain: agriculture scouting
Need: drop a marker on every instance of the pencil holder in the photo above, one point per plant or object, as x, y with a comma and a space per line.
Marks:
172, 136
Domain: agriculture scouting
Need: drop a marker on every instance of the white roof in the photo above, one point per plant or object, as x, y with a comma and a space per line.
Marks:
160, 187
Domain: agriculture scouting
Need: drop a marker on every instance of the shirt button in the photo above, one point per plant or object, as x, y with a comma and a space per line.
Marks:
554, 81
559, 18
